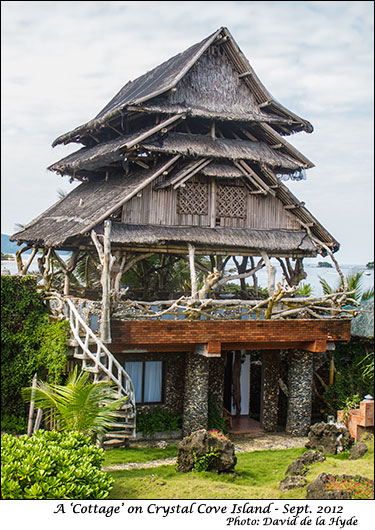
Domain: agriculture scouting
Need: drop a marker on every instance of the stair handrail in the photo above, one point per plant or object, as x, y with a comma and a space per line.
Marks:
123, 381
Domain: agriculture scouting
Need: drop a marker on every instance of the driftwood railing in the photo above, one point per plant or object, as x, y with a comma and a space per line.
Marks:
281, 305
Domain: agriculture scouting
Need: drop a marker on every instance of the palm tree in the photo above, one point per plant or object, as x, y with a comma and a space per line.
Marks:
79, 405
354, 280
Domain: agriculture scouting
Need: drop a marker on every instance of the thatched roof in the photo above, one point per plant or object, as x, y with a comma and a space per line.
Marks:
191, 145
198, 145
168, 75
81, 209
251, 240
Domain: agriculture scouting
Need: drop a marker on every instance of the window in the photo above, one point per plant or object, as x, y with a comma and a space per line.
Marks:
147, 377
231, 201
193, 199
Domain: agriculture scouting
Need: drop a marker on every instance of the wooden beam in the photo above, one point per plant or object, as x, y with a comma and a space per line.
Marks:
250, 171
196, 170
244, 74
210, 349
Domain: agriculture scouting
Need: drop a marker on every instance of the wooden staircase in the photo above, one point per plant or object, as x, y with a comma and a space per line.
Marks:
98, 360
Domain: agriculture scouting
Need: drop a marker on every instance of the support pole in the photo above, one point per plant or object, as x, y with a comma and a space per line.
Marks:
300, 378
106, 285
196, 394
270, 390
31, 409
271, 273
106, 261
193, 274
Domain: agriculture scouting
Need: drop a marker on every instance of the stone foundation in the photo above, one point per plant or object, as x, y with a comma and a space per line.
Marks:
300, 374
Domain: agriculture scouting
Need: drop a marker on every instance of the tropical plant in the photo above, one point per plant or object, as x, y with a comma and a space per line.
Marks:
304, 289
354, 281
79, 405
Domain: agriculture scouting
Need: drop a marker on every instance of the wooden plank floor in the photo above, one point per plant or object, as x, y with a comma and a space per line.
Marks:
244, 424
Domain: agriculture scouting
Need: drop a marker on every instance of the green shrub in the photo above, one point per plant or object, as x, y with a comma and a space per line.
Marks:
13, 424
158, 419
52, 465
30, 341
351, 361
215, 416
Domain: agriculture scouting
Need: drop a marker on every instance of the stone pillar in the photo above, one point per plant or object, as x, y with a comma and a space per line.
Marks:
269, 407
300, 375
196, 394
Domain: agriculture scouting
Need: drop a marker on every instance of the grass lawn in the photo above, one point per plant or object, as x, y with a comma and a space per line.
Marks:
257, 475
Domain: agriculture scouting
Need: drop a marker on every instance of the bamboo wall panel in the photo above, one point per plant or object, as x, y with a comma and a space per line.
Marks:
160, 207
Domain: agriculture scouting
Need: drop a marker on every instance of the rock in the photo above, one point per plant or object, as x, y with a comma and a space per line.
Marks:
162, 444
358, 450
317, 490
200, 443
329, 438
289, 483
299, 465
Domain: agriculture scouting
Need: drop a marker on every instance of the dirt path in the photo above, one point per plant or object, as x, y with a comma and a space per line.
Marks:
242, 445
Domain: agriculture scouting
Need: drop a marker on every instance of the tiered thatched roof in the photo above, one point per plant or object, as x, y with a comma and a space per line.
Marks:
202, 113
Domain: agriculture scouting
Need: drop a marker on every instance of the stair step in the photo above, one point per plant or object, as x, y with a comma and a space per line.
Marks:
119, 434
118, 425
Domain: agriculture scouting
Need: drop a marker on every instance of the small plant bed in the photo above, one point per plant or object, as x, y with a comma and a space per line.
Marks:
358, 487
257, 476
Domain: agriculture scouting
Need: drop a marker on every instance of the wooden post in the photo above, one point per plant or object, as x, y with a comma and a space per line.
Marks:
29, 261
271, 272
106, 285
106, 261
31, 409
193, 274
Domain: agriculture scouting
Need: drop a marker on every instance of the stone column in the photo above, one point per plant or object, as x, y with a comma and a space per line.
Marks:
196, 394
270, 385
300, 374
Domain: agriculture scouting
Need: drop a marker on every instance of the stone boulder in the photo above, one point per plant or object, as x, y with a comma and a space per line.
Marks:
358, 450
299, 465
317, 489
194, 447
289, 483
329, 438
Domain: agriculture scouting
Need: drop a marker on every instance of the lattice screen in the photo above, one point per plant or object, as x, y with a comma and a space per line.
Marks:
193, 199
231, 201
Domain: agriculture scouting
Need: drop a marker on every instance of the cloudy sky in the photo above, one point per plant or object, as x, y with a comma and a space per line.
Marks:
63, 61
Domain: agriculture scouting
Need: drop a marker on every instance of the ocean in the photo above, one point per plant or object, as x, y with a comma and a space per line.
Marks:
313, 274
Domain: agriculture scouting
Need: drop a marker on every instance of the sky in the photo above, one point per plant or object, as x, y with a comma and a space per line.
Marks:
63, 61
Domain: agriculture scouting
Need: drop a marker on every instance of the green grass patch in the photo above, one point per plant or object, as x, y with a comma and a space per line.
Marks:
257, 476
138, 454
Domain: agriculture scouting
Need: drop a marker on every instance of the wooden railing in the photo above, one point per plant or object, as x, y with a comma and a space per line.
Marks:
95, 356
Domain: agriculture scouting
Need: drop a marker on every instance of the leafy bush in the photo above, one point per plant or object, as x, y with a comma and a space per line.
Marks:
215, 416
158, 419
30, 341
13, 424
52, 465
204, 462
351, 361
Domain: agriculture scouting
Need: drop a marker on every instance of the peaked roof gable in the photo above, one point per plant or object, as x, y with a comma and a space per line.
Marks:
166, 77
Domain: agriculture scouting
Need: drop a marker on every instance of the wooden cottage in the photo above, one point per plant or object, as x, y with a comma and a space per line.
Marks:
189, 161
